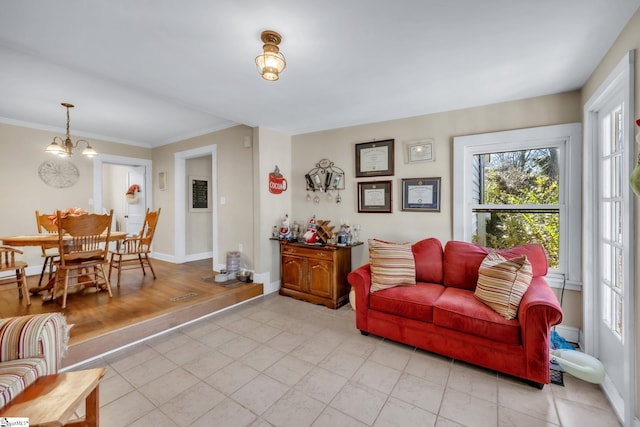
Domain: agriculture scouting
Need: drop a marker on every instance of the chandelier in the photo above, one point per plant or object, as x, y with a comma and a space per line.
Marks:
64, 148
270, 62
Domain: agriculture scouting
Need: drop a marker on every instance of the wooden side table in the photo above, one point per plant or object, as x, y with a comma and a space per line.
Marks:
53, 399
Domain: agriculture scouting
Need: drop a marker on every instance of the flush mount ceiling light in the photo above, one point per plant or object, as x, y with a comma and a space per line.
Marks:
64, 148
270, 62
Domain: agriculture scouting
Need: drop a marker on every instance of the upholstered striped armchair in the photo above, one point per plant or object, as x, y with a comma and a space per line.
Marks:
30, 346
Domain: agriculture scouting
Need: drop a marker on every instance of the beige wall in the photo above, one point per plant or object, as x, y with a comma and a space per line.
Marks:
21, 153
114, 180
234, 182
272, 149
628, 40
338, 145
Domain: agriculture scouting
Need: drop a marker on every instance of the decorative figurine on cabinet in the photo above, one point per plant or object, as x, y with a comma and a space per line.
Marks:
345, 237
285, 230
311, 235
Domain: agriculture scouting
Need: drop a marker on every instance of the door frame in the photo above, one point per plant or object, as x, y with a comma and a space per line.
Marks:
180, 201
620, 80
101, 159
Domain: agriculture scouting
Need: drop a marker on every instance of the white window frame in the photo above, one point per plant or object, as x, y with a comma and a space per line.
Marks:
566, 137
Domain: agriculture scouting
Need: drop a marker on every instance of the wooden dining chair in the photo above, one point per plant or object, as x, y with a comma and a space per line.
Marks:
134, 251
49, 251
83, 247
8, 262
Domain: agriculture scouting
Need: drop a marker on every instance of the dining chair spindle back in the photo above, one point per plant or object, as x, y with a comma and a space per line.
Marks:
8, 262
83, 247
134, 251
49, 251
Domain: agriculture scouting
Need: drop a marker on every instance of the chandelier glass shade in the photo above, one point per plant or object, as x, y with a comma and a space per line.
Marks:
64, 147
270, 62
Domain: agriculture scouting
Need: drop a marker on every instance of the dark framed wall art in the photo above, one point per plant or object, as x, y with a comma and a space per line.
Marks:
199, 192
421, 194
374, 158
374, 196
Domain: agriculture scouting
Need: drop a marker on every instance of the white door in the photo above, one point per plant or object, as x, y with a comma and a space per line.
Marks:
608, 222
611, 286
137, 206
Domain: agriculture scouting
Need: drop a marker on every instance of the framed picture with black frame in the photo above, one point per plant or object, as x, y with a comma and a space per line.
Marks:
374, 197
421, 194
199, 194
374, 158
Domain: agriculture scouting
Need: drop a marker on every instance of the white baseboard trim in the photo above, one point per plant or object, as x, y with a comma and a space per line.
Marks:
164, 257
617, 402
569, 333
187, 258
269, 288
198, 257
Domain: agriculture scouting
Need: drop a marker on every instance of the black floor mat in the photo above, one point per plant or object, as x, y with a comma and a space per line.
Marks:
557, 377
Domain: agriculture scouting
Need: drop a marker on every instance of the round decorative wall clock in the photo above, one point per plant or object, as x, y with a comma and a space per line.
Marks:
58, 173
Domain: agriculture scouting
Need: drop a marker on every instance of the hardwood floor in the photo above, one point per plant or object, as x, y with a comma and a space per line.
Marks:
140, 307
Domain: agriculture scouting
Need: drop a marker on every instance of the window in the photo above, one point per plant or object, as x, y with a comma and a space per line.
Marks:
518, 187
516, 200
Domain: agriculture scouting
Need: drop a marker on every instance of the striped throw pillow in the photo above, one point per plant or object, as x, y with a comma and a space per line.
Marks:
503, 282
392, 264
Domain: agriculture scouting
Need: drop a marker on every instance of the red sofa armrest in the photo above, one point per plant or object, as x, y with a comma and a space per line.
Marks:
360, 281
539, 311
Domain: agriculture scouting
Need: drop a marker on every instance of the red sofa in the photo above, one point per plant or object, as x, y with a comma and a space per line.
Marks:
441, 314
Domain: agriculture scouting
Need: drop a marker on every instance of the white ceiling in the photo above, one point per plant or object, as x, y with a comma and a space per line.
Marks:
151, 72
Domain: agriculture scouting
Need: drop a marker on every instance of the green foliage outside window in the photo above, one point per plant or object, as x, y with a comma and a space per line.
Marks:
527, 177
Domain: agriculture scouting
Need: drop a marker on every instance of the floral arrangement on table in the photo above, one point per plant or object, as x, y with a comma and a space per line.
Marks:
66, 212
131, 194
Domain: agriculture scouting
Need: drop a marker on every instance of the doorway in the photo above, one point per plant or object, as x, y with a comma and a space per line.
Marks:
110, 193
609, 273
128, 210
182, 204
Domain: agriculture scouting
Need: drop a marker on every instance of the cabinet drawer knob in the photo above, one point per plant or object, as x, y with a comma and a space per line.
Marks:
321, 254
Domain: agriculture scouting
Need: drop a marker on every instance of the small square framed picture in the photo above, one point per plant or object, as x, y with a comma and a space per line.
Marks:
418, 151
162, 181
421, 194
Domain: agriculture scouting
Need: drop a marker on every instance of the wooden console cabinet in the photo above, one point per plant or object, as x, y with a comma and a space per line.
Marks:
317, 274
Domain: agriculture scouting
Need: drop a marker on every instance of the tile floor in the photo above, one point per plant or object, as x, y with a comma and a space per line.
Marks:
276, 361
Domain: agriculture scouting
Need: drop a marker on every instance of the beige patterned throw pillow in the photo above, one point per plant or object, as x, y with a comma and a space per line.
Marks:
502, 283
392, 264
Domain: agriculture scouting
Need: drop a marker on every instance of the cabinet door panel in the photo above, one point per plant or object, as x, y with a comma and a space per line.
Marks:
321, 278
293, 273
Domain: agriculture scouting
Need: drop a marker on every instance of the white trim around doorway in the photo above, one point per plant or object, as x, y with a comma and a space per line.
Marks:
180, 202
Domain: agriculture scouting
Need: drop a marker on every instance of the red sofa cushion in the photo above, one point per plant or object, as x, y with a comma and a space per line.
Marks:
414, 302
429, 260
462, 261
460, 310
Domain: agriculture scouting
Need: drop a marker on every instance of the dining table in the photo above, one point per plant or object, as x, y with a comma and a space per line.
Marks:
50, 240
